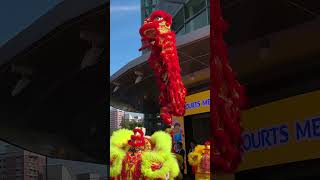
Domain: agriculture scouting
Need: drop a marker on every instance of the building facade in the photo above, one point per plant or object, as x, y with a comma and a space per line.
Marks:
147, 6
116, 117
131, 118
18, 164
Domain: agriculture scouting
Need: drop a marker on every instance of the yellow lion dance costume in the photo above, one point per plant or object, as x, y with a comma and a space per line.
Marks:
134, 156
199, 159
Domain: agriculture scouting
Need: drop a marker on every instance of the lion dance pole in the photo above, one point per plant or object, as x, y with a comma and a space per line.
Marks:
227, 97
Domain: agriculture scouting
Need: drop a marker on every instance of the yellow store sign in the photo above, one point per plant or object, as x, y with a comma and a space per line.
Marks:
198, 103
283, 131
280, 132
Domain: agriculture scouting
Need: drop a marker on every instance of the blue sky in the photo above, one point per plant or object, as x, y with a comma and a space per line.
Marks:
125, 21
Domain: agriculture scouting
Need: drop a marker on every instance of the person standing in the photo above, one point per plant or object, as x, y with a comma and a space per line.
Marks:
192, 146
189, 167
181, 152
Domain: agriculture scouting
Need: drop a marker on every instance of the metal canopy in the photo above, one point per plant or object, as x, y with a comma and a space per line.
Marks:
64, 106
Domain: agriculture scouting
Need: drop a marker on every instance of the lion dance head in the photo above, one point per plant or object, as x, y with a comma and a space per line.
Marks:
157, 24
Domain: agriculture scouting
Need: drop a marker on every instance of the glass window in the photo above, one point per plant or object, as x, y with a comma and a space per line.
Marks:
146, 3
148, 11
178, 20
193, 7
154, 2
145, 13
208, 12
47, 167
181, 31
199, 21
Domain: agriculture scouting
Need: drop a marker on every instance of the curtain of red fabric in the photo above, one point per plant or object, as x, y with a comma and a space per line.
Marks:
227, 97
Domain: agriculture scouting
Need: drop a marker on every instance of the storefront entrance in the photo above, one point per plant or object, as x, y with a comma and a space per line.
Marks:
197, 129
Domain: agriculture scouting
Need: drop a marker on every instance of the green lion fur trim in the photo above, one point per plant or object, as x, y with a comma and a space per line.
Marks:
151, 157
163, 141
120, 138
169, 165
117, 154
174, 166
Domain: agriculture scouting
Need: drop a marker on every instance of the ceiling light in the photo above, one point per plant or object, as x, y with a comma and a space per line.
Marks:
116, 89
192, 76
21, 84
139, 78
91, 57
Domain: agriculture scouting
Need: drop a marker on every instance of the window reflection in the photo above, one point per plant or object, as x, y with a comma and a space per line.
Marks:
192, 16
181, 31
20, 164
178, 20
193, 7
17, 163
198, 22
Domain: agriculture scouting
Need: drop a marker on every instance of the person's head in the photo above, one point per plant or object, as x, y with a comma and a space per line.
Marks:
192, 144
176, 126
179, 145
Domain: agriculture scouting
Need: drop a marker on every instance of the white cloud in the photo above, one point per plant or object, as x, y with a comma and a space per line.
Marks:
128, 8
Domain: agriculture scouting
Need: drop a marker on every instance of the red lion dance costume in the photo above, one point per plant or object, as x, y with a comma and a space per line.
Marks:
227, 99
157, 35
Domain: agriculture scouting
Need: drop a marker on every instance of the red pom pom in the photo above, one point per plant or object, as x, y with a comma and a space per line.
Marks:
166, 118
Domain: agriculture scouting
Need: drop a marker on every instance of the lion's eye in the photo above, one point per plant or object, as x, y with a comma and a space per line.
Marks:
158, 18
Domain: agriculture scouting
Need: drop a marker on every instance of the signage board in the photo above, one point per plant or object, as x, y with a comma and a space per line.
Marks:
283, 131
279, 132
198, 103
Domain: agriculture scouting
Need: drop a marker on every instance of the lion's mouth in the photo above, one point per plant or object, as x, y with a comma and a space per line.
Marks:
147, 44
150, 33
